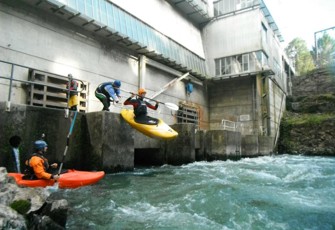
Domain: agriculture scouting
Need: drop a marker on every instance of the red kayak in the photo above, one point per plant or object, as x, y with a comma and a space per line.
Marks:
70, 179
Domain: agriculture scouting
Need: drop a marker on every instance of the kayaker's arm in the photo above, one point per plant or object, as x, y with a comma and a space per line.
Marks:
154, 107
37, 164
129, 100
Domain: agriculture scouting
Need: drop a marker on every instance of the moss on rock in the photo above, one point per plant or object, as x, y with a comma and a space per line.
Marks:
21, 206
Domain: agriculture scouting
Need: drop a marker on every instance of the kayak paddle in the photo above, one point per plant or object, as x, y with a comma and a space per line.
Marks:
55, 186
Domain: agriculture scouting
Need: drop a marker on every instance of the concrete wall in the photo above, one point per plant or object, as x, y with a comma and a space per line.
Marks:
104, 141
231, 35
112, 140
255, 105
222, 145
242, 33
65, 48
164, 18
232, 99
30, 122
277, 105
39, 40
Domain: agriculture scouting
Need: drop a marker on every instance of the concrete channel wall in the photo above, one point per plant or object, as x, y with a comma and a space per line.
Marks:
104, 141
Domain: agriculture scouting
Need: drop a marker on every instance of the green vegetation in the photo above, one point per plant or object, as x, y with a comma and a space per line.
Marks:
307, 119
327, 97
302, 58
21, 206
325, 47
305, 60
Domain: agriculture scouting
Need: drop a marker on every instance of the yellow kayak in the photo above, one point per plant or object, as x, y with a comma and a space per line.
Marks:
160, 130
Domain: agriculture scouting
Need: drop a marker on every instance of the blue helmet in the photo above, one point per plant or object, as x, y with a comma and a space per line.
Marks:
117, 83
40, 145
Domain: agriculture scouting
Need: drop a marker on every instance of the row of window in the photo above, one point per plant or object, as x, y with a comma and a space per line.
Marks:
222, 7
237, 64
128, 26
201, 4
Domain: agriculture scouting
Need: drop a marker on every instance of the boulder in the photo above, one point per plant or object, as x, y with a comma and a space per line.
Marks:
32, 204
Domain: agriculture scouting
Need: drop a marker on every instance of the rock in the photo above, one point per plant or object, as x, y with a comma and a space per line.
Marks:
56, 210
10, 219
44, 213
42, 222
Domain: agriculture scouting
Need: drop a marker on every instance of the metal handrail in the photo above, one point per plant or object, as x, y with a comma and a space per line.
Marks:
228, 125
11, 79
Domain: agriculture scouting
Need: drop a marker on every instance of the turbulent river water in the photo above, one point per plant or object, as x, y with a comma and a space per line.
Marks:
274, 192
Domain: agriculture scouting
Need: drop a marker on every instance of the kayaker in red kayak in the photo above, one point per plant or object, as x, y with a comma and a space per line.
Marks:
38, 166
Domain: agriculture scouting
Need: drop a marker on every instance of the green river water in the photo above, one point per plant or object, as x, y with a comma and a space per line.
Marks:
275, 192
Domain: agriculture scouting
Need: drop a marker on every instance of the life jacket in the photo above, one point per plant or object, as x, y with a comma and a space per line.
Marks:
141, 108
73, 86
29, 173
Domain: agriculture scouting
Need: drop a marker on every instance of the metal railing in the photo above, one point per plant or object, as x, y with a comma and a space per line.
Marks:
228, 125
12, 79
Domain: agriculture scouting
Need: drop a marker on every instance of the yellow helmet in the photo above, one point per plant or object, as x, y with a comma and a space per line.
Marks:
141, 90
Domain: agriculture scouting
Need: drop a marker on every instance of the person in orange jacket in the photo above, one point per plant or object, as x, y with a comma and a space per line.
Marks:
38, 165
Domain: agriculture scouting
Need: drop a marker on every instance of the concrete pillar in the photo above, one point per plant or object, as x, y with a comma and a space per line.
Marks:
222, 145
141, 71
200, 145
112, 139
265, 145
249, 145
182, 149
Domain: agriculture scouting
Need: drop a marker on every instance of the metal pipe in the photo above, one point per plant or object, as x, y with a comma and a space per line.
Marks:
37, 83
10, 89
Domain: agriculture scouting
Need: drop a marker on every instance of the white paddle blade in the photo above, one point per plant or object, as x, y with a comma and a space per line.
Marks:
171, 106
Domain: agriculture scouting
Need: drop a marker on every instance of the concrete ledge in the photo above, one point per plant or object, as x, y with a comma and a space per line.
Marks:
112, 139
222, 145
104, 141
182, 149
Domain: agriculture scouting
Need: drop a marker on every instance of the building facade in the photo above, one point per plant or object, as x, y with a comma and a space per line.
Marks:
220, 61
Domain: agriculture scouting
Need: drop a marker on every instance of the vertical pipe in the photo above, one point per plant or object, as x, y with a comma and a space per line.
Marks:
268, 105
141, 71
289, 81
316, 51
10, 89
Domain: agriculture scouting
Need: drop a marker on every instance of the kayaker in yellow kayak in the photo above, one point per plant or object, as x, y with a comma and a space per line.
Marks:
140, 107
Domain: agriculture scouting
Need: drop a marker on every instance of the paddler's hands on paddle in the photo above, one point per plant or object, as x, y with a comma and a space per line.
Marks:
54, 165
55, 177
118, 99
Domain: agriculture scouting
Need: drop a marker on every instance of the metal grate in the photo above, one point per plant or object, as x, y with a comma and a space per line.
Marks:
188, 114
50, 91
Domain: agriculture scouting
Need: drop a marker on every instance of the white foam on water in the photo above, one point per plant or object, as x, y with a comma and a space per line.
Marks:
274, 192
166, 216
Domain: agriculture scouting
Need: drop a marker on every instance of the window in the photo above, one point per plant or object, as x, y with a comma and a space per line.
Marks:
276, 67
227, 66
245, 62
222, 7
248, 62
246, 3
262, 59
264, 34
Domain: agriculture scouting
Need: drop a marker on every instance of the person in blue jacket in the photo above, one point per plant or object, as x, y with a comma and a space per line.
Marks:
107, 92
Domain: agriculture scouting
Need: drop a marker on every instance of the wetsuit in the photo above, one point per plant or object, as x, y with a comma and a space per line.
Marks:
104, 92
140, 110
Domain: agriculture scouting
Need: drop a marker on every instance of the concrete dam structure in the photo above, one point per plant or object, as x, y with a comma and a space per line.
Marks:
113, 147
222, 64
